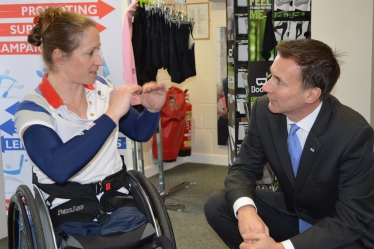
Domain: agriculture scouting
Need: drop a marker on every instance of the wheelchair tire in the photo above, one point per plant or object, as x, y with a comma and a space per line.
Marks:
24, 226
158, 205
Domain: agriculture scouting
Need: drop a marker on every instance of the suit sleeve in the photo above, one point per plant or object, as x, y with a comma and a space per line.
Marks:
354, 206
248, 165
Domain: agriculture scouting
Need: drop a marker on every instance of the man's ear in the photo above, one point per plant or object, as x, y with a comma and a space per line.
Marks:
58, 56
313, 95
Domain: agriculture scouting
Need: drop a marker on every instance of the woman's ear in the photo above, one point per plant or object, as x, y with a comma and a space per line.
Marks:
58, 56
313, 94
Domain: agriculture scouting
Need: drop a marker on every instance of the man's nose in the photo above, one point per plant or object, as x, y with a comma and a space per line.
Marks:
266, 86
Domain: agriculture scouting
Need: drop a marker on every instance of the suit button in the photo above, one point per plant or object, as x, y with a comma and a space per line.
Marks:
299, 209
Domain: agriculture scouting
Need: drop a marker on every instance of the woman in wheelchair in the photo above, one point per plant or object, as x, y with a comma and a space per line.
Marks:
70, 123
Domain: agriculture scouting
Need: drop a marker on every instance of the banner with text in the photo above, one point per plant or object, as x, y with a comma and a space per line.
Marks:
22, 68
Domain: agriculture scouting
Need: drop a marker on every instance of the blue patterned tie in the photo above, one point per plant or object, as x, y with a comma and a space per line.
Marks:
294, 148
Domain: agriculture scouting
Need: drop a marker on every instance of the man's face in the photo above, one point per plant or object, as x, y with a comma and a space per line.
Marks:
284, 89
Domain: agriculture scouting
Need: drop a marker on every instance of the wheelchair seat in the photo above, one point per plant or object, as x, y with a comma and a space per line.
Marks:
30, 226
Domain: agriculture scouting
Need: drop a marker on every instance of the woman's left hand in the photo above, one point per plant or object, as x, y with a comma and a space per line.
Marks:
153, 96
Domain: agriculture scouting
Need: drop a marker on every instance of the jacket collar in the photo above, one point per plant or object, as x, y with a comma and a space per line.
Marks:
50, 94
313, 144
311, 147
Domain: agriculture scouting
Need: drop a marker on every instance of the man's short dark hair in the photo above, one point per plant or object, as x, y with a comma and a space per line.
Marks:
318, 63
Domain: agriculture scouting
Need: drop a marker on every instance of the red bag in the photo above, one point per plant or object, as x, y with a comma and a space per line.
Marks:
173, 122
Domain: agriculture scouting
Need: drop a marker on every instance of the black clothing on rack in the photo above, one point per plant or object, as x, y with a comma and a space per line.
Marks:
160, 41
141, 47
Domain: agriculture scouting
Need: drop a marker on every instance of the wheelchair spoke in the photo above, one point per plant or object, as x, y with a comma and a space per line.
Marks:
22, 233
30, 221
22, 236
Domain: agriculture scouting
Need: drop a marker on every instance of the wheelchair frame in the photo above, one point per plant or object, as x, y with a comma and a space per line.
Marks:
30, 226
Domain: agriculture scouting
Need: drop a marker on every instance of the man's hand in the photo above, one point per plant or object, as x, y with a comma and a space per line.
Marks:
263, 241
250, 222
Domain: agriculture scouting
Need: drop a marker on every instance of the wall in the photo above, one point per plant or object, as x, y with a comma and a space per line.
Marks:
203, 94
348, 27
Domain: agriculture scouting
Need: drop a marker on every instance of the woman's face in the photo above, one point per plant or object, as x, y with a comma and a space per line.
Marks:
82, 66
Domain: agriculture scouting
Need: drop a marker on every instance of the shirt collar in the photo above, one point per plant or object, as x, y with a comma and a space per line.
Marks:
307, 122
50, 94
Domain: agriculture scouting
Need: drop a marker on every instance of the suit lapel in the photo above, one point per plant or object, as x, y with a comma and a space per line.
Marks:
279, 133
312, 145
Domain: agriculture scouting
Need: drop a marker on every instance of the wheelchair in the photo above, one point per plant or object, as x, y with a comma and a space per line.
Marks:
30, 226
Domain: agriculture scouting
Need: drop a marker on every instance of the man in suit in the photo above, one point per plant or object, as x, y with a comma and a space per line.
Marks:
326, 200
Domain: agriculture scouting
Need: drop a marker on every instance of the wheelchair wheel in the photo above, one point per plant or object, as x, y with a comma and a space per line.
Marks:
157, 205
24, 226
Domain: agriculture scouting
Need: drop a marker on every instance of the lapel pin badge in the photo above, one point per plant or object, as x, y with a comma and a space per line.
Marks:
311, 149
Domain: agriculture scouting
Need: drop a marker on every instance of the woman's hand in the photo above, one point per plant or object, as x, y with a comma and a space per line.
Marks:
153, 96
119, 102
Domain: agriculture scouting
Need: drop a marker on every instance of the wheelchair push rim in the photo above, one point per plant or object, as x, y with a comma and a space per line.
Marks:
160, 216
24, 227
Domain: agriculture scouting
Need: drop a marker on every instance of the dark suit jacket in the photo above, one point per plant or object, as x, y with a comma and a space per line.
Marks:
334, 186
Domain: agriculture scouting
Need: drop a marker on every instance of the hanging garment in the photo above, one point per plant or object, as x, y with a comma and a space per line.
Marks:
142, 48
182, 53
128, 54
270, 41
161, 30
166, 54
162, 42
173, 68
185, 52
155, 41
129, 70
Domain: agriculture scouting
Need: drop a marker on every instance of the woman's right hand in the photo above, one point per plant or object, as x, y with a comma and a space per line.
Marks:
119, 101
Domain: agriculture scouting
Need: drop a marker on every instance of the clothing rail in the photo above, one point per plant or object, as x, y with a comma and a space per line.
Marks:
164, 193
137, 152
